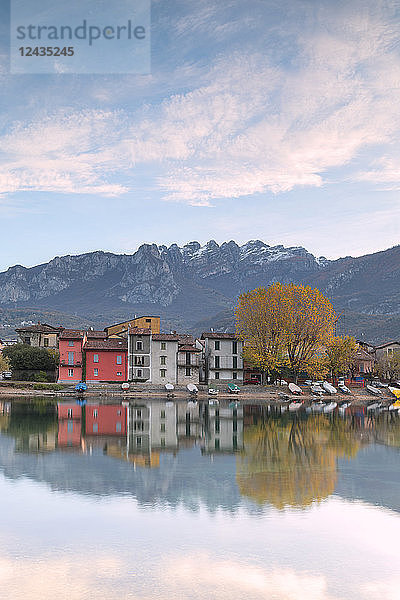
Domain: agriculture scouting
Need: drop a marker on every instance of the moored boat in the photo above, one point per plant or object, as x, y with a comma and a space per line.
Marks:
395, 392
344, 389
328, 387
373, 390
192, 388
295, 389
212, 391
317, 389
233, 388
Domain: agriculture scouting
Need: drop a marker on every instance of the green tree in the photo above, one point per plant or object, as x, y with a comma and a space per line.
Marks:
23, 357
388, 367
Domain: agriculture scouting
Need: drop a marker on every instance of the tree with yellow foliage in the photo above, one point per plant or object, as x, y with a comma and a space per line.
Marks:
340, 354
284, 323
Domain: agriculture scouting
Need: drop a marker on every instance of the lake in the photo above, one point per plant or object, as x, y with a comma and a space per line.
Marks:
169, 499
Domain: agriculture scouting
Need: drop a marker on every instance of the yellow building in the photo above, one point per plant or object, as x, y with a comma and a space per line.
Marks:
146, 322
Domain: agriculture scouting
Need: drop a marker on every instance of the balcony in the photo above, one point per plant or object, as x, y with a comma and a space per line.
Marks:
66, 363
194, 361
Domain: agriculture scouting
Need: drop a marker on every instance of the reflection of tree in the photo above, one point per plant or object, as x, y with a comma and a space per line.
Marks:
293, 462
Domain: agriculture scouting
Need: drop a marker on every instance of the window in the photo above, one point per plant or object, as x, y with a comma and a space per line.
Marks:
119, 373
162, 427
217, 444
118, 427
216, 362
162, 441
95, 358
138, 441
70, 426
138, 414
163, 373
188, 358
148, 320
95, 427
70, 358
163, 345
27, 341
95, 413
71, 343
234, 347
163, 360
139, 361
139, 426
217, 345
188, 371
139, 345
96, 372
139, 373
119, 360
70, 413
162, 414
235, 362
217, 375
46, 342
234, 375
70, 372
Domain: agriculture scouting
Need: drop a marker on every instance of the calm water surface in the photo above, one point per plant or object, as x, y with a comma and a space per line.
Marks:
165, 500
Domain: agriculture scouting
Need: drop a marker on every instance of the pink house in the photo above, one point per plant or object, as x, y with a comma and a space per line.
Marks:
71, 360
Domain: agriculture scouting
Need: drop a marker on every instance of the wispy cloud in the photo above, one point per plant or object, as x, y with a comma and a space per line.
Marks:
251, 125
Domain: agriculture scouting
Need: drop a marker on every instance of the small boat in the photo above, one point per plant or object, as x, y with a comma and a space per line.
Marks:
330, 407
233, 388
213, 402
395, 392
125, 386
81, 387
212, 391
373, 390
344, 389
317, 389
295, 389
328, 387
192, 388
169, 387
395, 405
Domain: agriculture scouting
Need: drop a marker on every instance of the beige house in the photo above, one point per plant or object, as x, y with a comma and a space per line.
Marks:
41, 335
387, 350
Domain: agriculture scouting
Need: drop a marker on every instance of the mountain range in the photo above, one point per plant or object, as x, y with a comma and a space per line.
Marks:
196, 287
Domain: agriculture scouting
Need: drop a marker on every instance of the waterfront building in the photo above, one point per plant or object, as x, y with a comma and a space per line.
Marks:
71, 355
164, 351
146, 322
106, 360
188, 364
41, 335
222, 357
139, 354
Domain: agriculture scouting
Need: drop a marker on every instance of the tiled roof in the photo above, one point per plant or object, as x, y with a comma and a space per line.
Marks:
93, 334
139, 331
187, 348
387, 344
40, 328
110, 344
165, 337
185, 338
71, 334
213, 335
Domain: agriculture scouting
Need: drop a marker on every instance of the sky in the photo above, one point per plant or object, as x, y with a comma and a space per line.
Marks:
264, 119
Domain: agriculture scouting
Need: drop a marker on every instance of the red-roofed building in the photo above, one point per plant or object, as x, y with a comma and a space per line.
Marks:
106, 360
71, 359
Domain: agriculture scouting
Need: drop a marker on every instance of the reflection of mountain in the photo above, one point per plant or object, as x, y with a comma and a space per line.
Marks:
285, 461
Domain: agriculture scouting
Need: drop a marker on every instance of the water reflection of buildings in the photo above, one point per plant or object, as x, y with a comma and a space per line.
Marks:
139, 432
